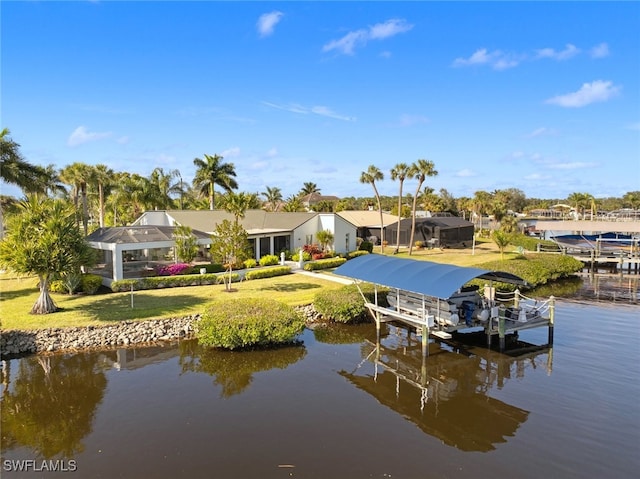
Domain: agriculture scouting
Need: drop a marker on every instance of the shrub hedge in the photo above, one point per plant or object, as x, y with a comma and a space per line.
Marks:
242, 323
269, 260
345, 305
366, 246
89, 284
267, 272
324, 264
530, 243
158, 282
535, 269
355, 254
250, 263
305, 256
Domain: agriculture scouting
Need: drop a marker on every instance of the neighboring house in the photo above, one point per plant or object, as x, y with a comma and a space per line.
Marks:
269, 233
367, 223
443, 231
313, 199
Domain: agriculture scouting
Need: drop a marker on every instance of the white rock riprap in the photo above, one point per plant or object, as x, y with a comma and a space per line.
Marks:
127, 333
17, 342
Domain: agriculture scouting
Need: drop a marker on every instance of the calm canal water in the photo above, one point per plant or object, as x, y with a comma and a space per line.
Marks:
338, 406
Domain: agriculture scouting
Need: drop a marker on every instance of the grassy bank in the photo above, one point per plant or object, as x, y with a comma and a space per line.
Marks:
18, 295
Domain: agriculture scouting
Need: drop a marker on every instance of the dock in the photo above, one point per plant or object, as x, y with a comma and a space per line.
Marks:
432, 298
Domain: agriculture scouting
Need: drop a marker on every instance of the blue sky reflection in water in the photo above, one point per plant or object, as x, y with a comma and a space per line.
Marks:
323, 408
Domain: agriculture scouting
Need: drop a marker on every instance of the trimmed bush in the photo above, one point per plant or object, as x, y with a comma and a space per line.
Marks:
366, 246
355, 254
267, 272
345, 305
211, 268
58, 286
535, 269
242, 323
250, 263
158, 282
305, 256
324, 264
91, 283
269, 260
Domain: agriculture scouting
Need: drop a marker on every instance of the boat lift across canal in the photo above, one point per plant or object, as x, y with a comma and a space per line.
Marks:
433, 298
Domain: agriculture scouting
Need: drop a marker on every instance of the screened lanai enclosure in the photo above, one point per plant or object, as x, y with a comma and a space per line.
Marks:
138, 251
435, 231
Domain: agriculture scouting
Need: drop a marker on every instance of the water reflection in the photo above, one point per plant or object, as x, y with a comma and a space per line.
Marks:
49, 403
233, 370
594, 287
446, 393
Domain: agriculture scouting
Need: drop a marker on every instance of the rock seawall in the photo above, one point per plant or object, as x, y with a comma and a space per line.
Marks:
126, 333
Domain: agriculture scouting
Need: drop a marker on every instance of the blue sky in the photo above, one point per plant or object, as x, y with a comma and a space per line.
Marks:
541, 96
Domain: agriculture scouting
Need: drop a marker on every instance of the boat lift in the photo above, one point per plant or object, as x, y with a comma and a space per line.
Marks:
432, 297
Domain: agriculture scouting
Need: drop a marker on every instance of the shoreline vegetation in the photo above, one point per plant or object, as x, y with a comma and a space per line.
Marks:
109, 308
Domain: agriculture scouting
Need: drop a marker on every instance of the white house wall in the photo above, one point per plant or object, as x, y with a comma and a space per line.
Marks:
309, 228
342, 231
153, 218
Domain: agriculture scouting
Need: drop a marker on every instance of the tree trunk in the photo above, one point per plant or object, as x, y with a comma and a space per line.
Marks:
399, 218
413, 217
101, 199
44, 304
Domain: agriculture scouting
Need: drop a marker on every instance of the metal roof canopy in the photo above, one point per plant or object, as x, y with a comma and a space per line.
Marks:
422, 277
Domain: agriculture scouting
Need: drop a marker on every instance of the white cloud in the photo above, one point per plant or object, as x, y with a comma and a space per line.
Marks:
267, 22
596, 91
634, 126
123, 140
536, 176
81, 135
232, 152
389, 28
542, 131
568, 52
496, 59
600, 51
357, 38
272, 152
317, 110
466, 173
572, 165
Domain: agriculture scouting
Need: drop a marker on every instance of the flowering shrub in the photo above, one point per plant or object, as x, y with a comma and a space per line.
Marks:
311, 249
173, 269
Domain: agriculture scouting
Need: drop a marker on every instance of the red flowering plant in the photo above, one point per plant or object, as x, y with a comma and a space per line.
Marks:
173, 269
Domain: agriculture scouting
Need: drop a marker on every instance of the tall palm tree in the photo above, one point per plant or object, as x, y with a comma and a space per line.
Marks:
581, 201
273, 196
102, 176
161, 188
212, 171
308, 188
400, 172
370, 176
420, 170
238, 203
51, 183
78, 175
15, 170
481, 204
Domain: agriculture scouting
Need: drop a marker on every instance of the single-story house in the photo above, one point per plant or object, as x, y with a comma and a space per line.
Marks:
443, 231
130, 250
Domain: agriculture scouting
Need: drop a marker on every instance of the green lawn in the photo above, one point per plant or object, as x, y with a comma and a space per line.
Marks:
18, 295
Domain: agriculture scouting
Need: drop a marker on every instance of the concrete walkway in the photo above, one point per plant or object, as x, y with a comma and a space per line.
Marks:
295, 268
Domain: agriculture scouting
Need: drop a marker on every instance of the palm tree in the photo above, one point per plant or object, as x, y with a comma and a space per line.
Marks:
481, 204
581, 201
632, 199
238, 203
78, 175
400, 172
14, 169
370, 176
161, 187
292, 204
420, 170
273, 196
102, 176
308, 188
51, 183
212, 171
